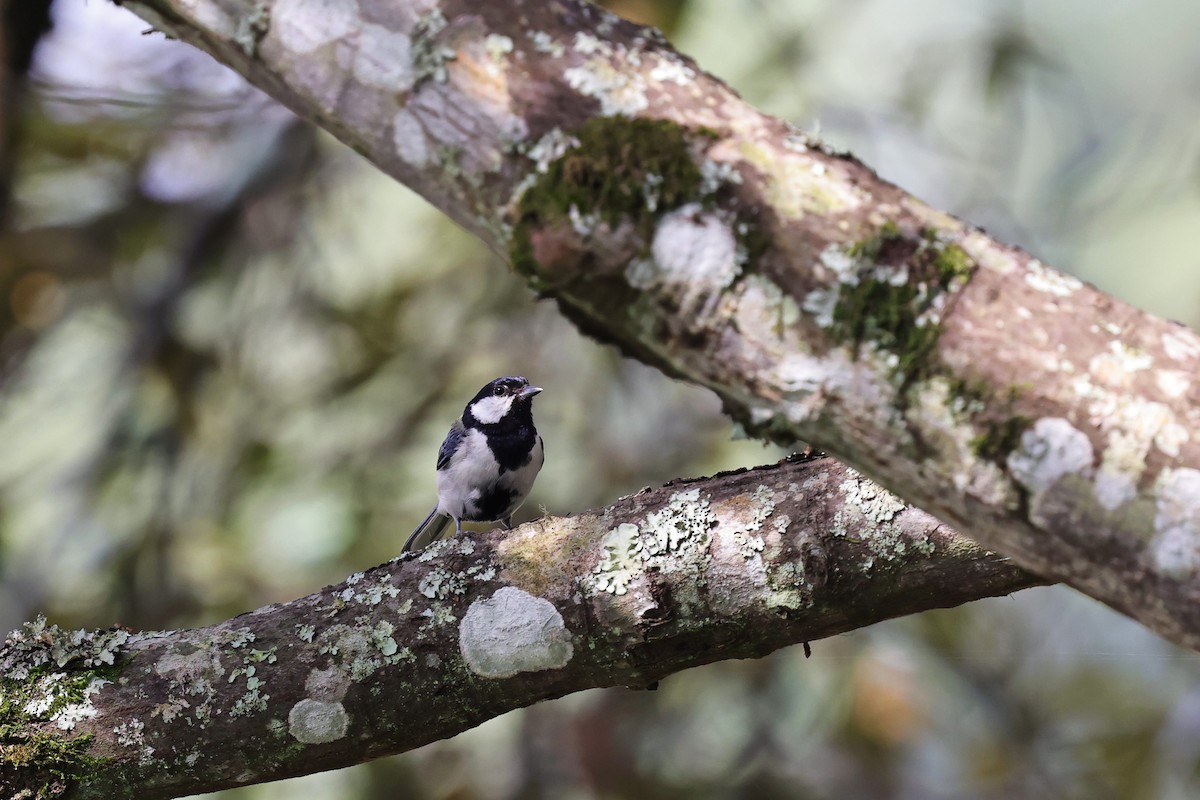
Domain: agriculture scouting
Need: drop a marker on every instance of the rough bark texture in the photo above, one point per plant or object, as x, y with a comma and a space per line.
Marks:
436, 642
823, 304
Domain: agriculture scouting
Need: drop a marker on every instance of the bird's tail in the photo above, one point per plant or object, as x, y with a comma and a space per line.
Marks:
427, 532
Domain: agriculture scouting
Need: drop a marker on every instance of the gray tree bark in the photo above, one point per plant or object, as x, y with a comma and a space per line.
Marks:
436, 642
667, 216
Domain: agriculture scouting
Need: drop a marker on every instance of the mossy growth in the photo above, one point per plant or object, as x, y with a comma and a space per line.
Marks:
45, 762
1000, 435
623, 170
891, 307
44, 671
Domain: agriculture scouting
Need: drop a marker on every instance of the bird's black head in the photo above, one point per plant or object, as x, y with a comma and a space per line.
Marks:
502, 401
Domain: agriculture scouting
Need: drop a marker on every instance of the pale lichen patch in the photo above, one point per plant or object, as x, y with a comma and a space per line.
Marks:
695, 257
1175, 548
1173, 383
37, 644
305, 25
429, 55
1050, 281
498, 46
317, 722
408, 138
619, 92
672, 70
1117, 367
869, 513
543, 42
682, 527
440, 583
1181, 345
984, 252
795, 188
384, 59
47, 696
1050, 449
512, 632
621, 560
191, 677
132, 734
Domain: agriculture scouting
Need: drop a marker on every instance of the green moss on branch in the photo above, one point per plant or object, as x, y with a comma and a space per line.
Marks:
622, 170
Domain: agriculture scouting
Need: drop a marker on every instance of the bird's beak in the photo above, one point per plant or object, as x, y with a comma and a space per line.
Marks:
529, 391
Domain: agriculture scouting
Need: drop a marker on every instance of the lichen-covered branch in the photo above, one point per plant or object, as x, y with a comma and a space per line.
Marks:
436, 642
723, 246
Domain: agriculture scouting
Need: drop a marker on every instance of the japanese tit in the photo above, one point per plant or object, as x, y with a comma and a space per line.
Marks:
487, 463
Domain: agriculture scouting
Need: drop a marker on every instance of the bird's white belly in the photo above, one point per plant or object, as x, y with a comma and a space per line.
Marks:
474, 471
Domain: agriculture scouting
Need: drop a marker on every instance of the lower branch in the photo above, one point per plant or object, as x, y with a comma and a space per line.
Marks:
436, 642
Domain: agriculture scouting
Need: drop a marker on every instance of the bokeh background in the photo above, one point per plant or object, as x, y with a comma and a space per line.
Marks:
229, 349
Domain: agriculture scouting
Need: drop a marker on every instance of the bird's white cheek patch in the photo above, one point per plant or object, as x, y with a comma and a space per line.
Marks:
491, 410
512, 631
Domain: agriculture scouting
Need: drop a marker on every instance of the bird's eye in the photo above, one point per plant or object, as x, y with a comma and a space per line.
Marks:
498, 391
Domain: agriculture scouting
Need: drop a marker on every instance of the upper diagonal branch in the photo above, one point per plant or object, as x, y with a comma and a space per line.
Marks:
715, 242
431, 644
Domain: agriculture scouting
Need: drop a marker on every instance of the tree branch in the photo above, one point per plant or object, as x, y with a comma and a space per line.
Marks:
666, 215
429, 645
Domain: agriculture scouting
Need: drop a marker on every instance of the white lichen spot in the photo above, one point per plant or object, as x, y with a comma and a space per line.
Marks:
695, 256
251, 26
1170, 438
1113, 489
870, 514
683, 526
317, 722
384, 59
588, 45
715, 174
618, 92
1050, 449
672, 70
696, 244
1175, 548
436, 616
1173, 383
1116, 368
821, 303
987, 254
408, 137
305, 25
844, 267
583, 224
429, 56
71, 713
1050, 281
439, 583
763, 500
132, 734
545, 43
876, 504
621, 562
207, 16
550, 148
497, 46
305, 632
240, 638
1181, 345
512, 632
381, 637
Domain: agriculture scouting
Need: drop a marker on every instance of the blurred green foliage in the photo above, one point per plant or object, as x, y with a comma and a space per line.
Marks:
232, 348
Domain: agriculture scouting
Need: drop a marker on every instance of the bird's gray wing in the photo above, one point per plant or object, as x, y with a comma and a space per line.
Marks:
450, 443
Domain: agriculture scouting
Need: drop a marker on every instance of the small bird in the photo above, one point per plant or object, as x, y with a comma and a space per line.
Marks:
487, 463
